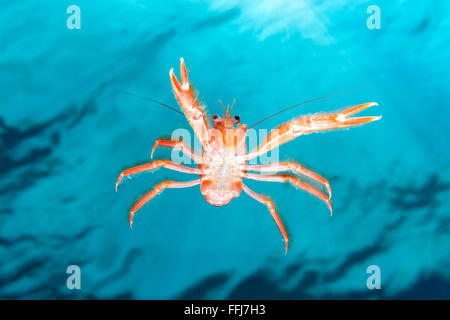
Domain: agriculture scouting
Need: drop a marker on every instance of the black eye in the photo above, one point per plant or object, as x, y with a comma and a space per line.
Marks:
237, 119
215, 117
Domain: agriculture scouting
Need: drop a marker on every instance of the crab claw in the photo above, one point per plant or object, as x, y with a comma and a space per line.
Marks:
192, 108
323, 122
184, 85
344, 121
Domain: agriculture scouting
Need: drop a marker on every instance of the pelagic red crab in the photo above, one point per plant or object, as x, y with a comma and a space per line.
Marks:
223, 164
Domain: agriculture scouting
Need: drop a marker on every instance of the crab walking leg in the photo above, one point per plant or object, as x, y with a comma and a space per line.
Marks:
157, 190
294, 181
293, 167
312, 123
273, 212
176, 145
193, 109
155, 165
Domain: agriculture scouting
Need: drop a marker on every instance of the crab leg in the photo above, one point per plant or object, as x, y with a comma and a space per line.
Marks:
273, 212
193, 109
155, 165
157, 190
294, 181
176, 145
312, 123
291, 166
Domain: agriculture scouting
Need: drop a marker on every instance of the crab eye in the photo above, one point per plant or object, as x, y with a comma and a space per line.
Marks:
215, 117
237, 119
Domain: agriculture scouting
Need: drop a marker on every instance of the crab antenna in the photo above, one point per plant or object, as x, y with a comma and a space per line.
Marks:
148, 99
220, 101
234, 100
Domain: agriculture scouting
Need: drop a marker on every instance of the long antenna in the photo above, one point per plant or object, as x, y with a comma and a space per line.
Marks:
148, 99
307, 101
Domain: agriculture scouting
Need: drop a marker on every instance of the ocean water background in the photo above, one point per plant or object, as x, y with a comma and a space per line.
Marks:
65, 135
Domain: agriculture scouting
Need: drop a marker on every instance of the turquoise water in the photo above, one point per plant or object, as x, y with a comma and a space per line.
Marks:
65, 135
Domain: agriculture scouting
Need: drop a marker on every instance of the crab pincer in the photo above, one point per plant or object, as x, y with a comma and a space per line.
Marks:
343, 117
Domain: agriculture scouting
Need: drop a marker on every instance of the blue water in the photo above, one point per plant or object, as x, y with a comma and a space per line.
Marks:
65, 135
